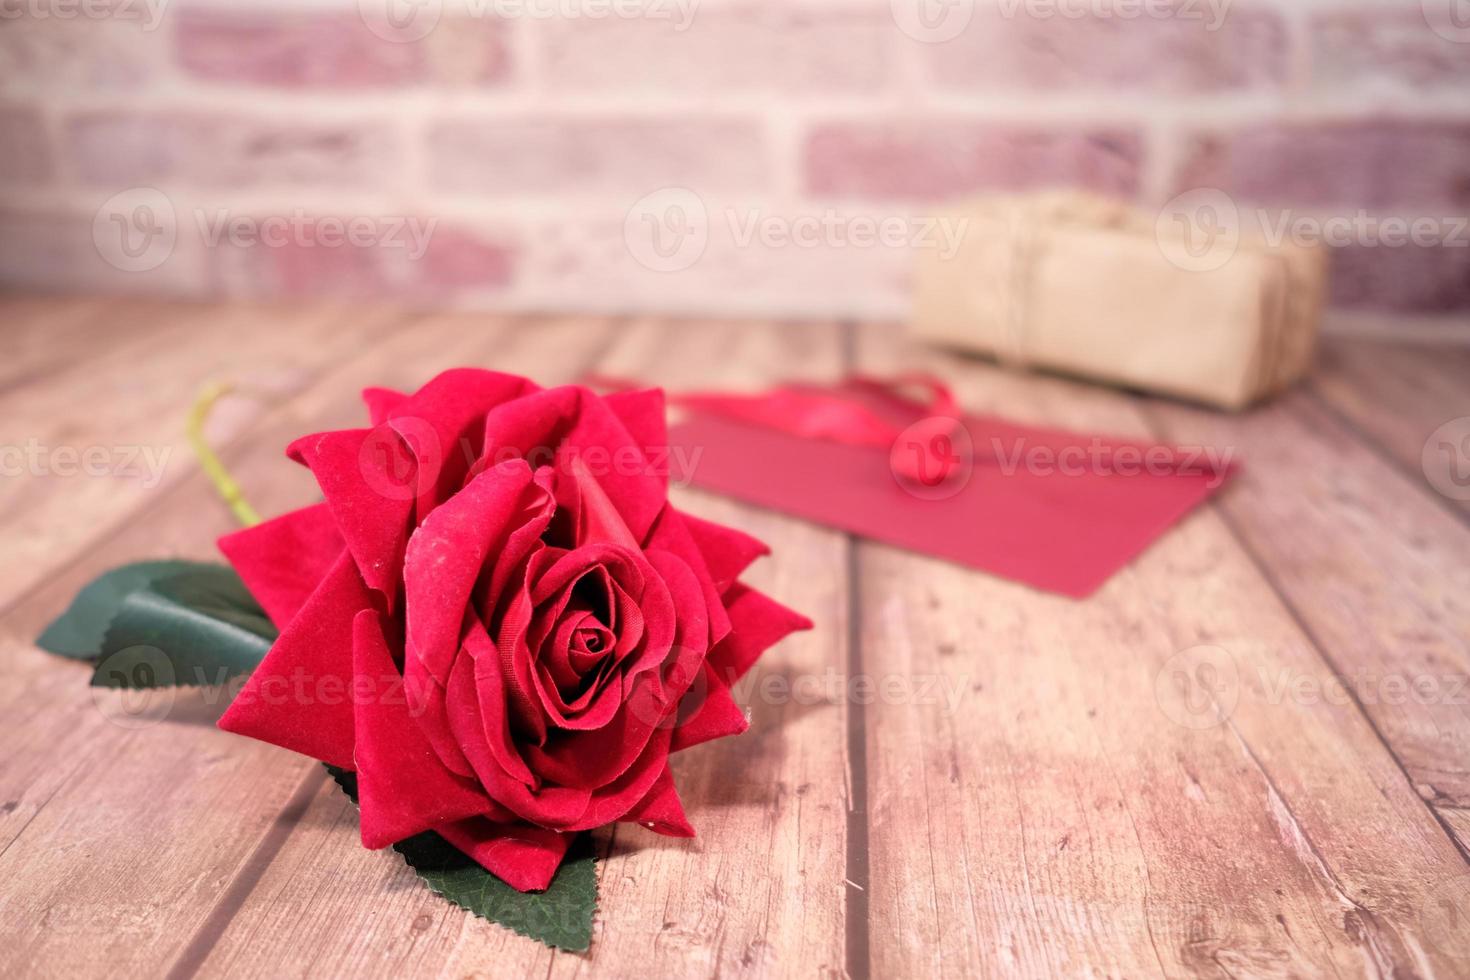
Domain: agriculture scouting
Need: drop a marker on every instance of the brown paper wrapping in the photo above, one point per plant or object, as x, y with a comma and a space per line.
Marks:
1086, 286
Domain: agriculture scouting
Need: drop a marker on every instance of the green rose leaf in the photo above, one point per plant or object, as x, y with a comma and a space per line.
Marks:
162, 624
198, 628
80, 630
561, 916
167, 623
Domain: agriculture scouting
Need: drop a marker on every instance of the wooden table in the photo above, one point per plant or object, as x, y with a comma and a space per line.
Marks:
1067, 818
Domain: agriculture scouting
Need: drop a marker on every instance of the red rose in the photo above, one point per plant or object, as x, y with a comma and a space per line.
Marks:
497, 619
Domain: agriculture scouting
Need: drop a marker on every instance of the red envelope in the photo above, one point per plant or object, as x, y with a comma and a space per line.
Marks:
1056, 510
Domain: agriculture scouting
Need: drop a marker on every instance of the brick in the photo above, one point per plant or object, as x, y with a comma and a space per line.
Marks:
591, 155
1369, 47
1194, 51
1371, 163
225, 150
393, 264
937, 158
333, 50
586, 264
26, 157
51, 56
766, 48
1405, 279
56, 251
461, 259
291, 50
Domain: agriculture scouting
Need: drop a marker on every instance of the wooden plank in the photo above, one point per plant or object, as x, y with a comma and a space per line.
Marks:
761, 891
1100, 805
136, 839
105, 432
1398, 395
1370, 562
43, 336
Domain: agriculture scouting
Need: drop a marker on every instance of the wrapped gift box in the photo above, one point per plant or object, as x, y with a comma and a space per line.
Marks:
1100, 289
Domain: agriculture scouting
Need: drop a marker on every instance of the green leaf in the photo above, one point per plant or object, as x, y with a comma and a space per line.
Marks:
80, 630
561, 916
198, 627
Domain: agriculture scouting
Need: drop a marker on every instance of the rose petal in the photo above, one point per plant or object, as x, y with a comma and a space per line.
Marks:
691, 641
285, 701
758, 622
716, 714
403, 788
449, 550
522, 855
367, 479
660, 810
599, 520
671, 534
576, 423
477, 709
643, 414
494, 754
444, 425
726, 551
381, 403
284, 559
614, 801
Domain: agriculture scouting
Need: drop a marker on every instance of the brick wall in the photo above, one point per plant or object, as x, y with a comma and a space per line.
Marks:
704, 156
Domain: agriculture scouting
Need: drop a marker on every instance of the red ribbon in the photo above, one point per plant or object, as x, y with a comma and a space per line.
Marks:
925, 450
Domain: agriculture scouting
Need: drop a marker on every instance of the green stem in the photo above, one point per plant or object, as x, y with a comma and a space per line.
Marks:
223, 482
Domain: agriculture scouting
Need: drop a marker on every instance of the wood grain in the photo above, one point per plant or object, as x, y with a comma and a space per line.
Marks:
1077, 818
1370, 562
1024, 785
240, 788
105, 431
1397, 395
321, 882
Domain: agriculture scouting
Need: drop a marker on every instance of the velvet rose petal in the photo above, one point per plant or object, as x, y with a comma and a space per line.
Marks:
403, 788
672, 535
613, 802
522, 855
381, 403
726, 551
368, 482
758, 622
282, 702
660, 811
653, 684
450, 549
444, 418
642, 413
475, 699
284, 559
714, 715
579, 424
492, 751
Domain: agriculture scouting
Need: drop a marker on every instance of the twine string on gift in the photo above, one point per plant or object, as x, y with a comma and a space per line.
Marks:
221, 478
